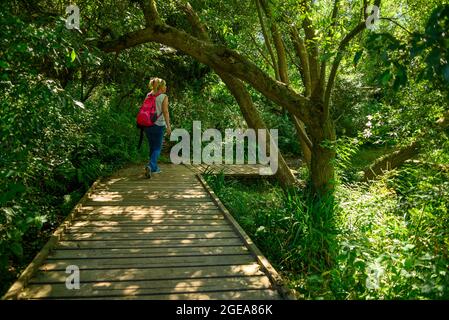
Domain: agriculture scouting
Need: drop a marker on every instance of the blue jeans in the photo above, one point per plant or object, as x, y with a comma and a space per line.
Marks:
155, 135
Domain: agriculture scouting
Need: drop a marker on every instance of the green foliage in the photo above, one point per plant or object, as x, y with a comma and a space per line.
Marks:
52, 146
385, 241
424, 54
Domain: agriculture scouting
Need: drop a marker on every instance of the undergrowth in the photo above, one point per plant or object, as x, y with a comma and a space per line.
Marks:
386, 240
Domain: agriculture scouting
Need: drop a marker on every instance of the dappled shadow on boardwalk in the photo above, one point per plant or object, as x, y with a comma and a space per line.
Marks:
158, 238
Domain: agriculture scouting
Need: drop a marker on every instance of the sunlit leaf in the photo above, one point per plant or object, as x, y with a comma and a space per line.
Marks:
73, 55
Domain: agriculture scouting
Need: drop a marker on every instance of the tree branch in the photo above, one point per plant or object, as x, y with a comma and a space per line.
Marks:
292, 58
330, 83
312, 49
195, 22
253, 119
149, 11
330, 35
270, 63
340, 51
217, 57
398, 24
267, 39
301, 52
278, 44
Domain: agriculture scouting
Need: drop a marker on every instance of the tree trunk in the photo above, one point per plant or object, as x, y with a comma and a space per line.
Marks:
391, 161
281, 72
398, 157
243, 98
254, 121
323, 154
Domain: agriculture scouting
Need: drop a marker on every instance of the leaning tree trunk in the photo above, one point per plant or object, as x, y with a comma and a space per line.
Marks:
398, 157
254, 121
391, 161
243, 98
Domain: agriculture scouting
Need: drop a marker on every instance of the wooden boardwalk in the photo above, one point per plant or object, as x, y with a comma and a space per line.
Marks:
234, 170
167, 237
238, 170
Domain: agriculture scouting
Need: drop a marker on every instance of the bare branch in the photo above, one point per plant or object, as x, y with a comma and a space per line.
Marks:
278, 43
292, 58
312, 49
397, 23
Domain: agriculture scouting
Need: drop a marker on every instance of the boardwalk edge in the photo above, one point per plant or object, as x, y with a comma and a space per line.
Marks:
17, 287
269, 270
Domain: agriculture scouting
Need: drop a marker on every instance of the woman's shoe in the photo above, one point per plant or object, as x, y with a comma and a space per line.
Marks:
158, 171
147, 172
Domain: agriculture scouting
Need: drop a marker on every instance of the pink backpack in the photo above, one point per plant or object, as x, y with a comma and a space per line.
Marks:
147, 114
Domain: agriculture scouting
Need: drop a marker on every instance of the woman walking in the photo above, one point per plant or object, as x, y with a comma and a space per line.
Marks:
155, 133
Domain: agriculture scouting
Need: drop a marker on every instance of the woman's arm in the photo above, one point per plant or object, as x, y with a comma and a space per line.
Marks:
166, 114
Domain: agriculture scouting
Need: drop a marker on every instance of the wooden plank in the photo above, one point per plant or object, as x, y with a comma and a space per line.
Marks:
149, 187
156, 186
249, 294
162, 192
146, 209
98, 200
185, 203
142, 274
157, 228
152, 183
145, 197
149, 236
150, 219
145, 252
126, 288
159, 216
176, 175
148, 183
143, 181
148, 263
147, 243
143, 224
155, 213
153, 191
266, 265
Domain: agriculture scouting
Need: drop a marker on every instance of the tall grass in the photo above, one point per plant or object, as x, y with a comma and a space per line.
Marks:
387, 240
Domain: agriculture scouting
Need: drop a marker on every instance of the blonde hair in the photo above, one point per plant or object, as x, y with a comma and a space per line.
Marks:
157, 83
154, 83
160, 84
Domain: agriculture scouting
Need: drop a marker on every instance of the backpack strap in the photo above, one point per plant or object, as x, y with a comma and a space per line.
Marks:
155, 103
